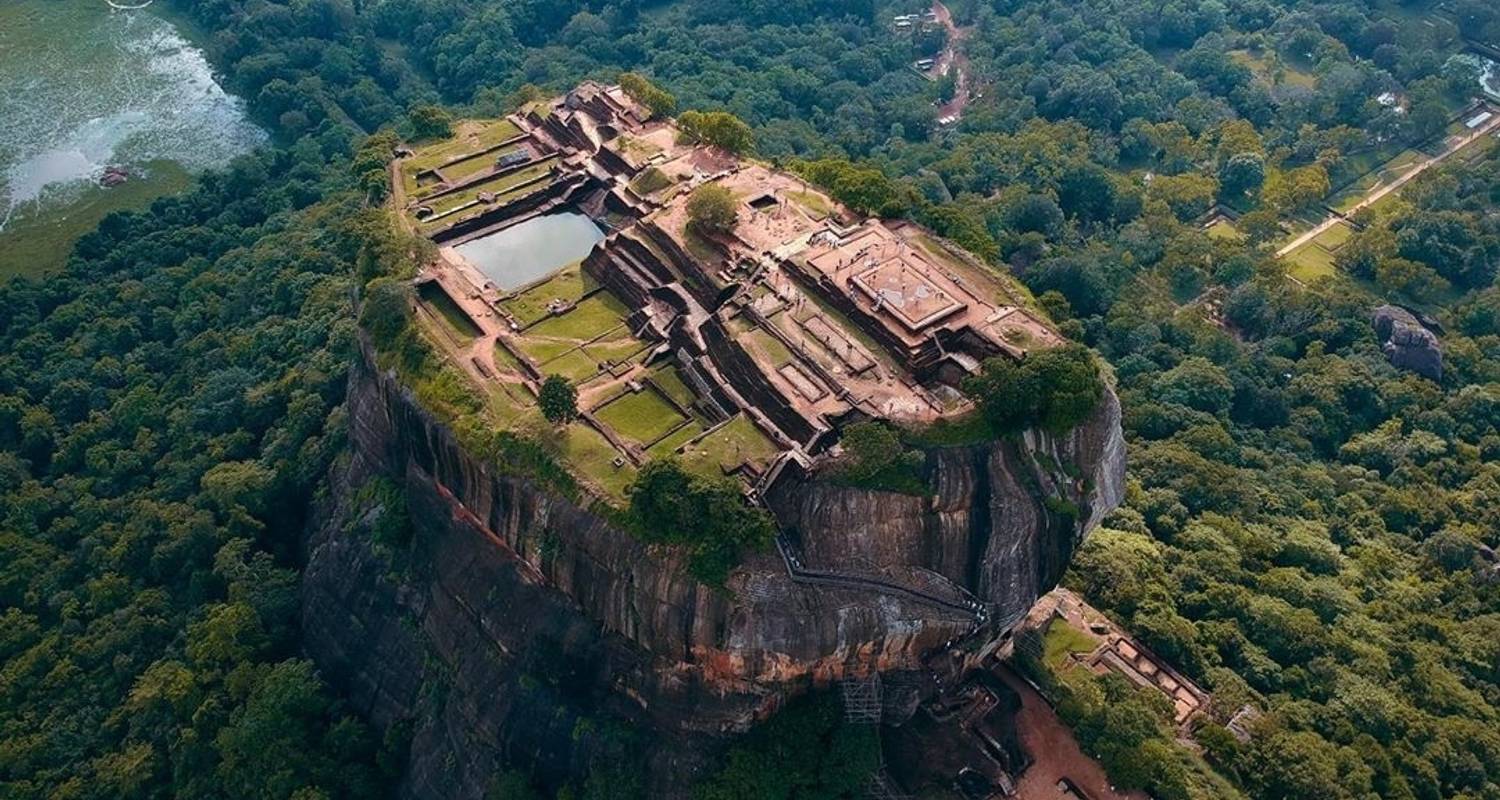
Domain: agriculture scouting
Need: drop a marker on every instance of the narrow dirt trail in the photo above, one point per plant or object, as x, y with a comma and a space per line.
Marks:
953, 57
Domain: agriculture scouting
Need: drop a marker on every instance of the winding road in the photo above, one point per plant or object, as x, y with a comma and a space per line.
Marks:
953, 57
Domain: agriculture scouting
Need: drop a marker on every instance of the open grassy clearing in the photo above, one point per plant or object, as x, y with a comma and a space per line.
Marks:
1354, 192
1333, 238
1475, 150
1272, 68
1347, 200
1225, 230
568, 284
642, 417
614, 351
1310, 262
1389, 172
1386, 204
737, 442
542, 350
814, 203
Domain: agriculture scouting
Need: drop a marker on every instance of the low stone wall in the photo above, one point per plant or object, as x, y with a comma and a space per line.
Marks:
738, 368
561, 193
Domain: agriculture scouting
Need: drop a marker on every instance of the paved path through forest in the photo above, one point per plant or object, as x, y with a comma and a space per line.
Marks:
1380, 192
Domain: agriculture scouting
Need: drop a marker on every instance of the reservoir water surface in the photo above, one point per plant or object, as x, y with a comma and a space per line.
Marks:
85, 88
532, 250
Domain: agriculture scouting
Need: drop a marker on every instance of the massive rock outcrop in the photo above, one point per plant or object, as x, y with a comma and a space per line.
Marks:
1407, 342
514, 620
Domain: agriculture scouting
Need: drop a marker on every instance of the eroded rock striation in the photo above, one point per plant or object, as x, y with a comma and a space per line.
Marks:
515, 619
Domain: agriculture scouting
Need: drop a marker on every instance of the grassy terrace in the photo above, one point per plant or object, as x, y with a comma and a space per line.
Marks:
642, 417
1335, 237
1315, 259
764, 343
737, 442
578, 362
473, 165
570, 283
500, 186
1062, 640
670, 381
1310, 262
471, 137
592, 455
594, 316
814, 203
579, 343
1351, 195
456, 321
650, 181
638, 149
668, 445
576, 345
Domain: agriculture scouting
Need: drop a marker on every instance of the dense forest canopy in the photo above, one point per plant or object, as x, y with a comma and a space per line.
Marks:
1307, 530
168, 406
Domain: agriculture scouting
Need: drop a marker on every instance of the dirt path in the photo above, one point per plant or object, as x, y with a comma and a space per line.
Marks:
1057, 755
953, 57
1380, 192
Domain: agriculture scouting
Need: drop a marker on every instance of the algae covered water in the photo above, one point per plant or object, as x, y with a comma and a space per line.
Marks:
90, 88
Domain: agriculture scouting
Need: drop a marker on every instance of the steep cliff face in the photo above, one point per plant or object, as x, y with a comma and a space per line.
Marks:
1001, 521
514, 619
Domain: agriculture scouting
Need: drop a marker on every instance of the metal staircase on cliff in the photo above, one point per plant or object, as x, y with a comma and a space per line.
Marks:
862, 698
843, 580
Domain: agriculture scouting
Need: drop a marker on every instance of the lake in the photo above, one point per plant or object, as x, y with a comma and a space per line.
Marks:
532, 250
88, 87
